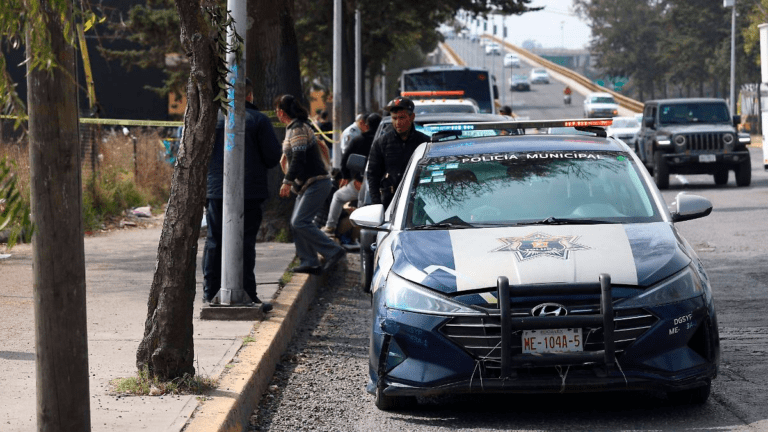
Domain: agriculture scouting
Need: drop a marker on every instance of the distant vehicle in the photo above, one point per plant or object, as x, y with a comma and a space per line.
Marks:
625, 129
511, 60
476, 83
539, 76
493, 48
519, 83
693, 136
442, 103
600, 104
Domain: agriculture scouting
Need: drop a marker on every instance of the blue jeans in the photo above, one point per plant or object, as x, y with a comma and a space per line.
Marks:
213, 246
307, 237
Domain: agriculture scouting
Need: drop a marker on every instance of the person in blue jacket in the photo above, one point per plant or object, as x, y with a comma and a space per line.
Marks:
262, 151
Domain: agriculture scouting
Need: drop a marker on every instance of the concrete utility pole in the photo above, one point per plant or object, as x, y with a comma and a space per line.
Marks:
732, 5
336, 83
231, 292
764, 79
358, 64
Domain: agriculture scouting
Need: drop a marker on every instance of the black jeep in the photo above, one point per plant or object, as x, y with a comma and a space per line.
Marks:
692, 136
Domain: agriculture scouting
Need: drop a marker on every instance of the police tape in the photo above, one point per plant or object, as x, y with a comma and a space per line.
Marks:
162, 123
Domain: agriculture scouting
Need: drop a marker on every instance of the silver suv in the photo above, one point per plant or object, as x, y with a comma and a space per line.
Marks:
600, 105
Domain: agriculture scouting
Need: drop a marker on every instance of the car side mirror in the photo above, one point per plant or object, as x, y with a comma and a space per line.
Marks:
690, 207
736, 120
356, 162
648, 122
370, 217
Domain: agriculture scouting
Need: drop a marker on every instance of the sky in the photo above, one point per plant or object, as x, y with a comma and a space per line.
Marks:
556, 26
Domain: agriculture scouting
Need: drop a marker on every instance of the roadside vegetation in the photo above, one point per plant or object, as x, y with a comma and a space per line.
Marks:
144, 385
117, 185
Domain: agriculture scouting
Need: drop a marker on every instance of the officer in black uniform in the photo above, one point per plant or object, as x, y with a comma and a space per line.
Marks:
390, 153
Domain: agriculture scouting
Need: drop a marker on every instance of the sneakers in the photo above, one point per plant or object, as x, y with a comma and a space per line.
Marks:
315, 270
334, 259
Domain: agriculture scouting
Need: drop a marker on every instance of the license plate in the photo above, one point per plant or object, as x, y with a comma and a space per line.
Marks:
552, 341
707, 158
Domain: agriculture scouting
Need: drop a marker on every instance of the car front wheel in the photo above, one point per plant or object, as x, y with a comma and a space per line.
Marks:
744, 173
660, 171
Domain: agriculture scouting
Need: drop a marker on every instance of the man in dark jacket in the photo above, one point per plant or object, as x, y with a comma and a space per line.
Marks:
349, 185
262, 152
390, 153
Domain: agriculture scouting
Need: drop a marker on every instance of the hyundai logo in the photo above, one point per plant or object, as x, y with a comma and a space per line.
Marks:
549, 309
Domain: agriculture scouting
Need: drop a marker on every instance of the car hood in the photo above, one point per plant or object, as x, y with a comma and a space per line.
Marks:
695, 128
467, 259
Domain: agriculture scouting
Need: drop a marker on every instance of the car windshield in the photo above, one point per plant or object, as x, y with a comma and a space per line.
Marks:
539, 72
625, 123
602, 99
505, 189
714, 112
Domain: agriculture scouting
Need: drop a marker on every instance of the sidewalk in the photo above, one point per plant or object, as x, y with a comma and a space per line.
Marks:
119, 270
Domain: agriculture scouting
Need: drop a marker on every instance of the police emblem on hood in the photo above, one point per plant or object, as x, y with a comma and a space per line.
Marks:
539, 245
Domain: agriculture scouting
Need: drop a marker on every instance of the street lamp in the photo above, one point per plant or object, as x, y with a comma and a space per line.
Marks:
732, 4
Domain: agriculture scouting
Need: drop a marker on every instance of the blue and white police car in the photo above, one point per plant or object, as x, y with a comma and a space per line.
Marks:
536, 263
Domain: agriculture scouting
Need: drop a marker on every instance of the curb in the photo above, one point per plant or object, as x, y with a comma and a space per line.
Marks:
229, 407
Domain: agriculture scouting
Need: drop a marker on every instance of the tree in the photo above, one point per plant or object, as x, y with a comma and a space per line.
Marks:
61, 341
167, 348
272, 52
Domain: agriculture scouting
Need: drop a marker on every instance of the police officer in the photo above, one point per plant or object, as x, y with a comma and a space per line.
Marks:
390, 152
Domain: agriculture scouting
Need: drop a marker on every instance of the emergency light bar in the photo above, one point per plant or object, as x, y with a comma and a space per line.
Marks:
522, 124
427, 93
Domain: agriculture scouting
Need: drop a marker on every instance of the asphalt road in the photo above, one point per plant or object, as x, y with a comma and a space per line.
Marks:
320, 384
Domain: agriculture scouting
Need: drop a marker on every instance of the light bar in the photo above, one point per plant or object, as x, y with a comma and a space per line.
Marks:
425, 93
523, 124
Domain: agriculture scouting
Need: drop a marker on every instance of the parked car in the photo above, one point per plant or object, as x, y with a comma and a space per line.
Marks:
625, 129
600, 104
539, 76
536, 263
511, 60
519, 83
693, 136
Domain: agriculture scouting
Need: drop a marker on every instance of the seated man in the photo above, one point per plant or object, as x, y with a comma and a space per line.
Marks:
349, 185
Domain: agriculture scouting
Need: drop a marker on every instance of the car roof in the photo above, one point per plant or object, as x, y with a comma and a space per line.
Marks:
521, 143
684, 100
453, 118
600, 94
443, 67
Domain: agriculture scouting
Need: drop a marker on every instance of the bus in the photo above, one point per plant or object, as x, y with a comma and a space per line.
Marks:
476, 83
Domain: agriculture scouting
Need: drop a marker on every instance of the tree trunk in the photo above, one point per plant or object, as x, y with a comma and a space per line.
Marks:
61, 338
167, 349
272, 62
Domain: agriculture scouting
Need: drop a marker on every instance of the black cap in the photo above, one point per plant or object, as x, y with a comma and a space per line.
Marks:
400, 103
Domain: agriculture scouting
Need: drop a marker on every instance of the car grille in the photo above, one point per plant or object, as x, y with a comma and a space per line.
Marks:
481, 336
703, 141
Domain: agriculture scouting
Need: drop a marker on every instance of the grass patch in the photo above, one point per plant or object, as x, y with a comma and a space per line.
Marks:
283, 236
143, 385
285, 279
248, 339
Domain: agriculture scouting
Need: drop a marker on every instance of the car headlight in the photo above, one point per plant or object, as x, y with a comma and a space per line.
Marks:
744, 138
681, 286
407, 296
663, 140
615, 112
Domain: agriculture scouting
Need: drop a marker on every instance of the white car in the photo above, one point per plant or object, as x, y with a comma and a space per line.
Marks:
424, 106
539, 76
493, 48
511, 60
600, 104
625, 129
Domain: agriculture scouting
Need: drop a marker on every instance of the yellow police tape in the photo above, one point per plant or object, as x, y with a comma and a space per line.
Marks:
161, 123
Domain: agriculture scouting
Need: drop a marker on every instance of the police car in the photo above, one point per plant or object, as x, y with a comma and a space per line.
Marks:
536, 263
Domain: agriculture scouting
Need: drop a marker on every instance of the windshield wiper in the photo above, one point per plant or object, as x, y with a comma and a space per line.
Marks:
452, 222
568, 221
